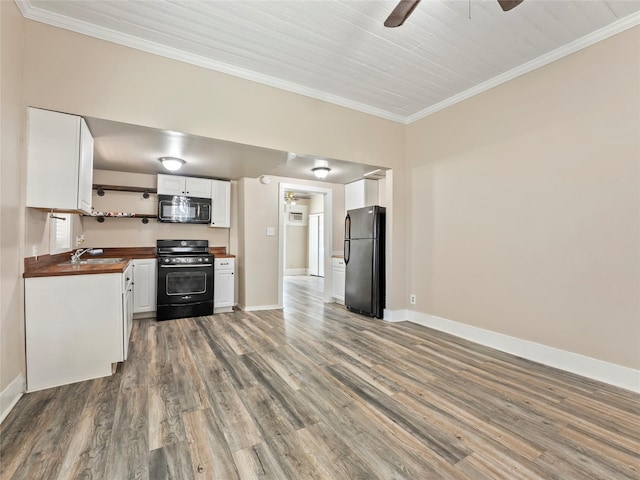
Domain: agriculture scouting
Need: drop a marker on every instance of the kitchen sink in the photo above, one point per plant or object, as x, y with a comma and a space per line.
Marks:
95, 261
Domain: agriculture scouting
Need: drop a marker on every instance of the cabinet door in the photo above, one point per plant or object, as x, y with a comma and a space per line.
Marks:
85, 174
223, 288
144, 285
198, 187
353, 196
221, 203
127, 319
338, 279
362, 193
73, 328
53, 160
171, 185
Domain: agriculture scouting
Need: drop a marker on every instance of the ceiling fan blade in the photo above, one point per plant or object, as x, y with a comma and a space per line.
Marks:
509, 4
401, 13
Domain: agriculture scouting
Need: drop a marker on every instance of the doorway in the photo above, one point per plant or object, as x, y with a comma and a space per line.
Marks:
323, 245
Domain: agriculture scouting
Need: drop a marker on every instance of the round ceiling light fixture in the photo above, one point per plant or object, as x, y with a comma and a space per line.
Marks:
321, 172
173, 164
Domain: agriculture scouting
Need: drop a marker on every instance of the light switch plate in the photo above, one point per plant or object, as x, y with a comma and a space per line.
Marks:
271, 232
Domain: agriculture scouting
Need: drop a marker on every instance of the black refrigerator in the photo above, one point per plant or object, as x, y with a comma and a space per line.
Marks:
364, 230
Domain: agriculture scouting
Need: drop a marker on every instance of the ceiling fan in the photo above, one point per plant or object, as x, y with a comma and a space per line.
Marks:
405, 7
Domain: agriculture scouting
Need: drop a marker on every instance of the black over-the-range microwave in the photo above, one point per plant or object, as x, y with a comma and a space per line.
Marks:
181, 209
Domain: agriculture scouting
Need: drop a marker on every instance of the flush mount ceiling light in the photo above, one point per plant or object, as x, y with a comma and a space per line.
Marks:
321, 172
172, 164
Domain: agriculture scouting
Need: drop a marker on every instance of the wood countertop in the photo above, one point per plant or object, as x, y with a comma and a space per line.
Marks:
59, 270
52, 265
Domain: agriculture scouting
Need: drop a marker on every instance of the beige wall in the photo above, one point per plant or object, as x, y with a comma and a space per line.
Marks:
296, 244
12, 217
316, 203
525, 206
296, 247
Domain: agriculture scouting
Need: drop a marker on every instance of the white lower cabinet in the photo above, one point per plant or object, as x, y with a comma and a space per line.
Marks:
144, 287
337, 279
223, 285
74, 326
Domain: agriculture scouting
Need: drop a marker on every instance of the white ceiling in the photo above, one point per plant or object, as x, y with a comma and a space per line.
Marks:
339, 50
335, 50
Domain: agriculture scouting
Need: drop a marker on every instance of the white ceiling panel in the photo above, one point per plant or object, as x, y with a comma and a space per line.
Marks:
339, 50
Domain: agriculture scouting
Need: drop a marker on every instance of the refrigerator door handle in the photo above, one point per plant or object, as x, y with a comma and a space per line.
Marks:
347, 238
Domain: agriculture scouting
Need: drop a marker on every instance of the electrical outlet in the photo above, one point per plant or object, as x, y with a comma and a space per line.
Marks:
412, 299
34, 251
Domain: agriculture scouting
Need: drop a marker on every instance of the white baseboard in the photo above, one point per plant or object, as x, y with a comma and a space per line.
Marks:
295, 271
623, 377
10, 395
260, 307
396, 315
223, 310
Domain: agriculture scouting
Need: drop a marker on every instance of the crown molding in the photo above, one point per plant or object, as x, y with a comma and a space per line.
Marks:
584, 42
33, 13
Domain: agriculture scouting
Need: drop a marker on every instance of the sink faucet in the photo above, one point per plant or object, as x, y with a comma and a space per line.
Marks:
75, 257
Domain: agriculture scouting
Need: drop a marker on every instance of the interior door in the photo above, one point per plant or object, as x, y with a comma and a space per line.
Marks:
313, 245
321, 244
316, 244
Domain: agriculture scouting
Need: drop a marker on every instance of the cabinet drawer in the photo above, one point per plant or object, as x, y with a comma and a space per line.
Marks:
224, 264
337, 262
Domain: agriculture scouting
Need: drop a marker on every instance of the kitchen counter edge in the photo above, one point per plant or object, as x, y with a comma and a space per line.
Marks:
50, 265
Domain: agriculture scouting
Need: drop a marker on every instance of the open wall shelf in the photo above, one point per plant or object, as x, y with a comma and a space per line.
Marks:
101, 189
143, 216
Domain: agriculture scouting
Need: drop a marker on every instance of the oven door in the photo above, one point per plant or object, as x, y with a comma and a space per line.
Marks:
184, 284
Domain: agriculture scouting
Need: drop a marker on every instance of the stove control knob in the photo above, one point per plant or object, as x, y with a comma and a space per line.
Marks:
200, 259
166, 260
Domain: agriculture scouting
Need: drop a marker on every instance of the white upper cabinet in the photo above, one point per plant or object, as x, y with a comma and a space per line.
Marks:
59, 161
170, 185
221, 204
362, 193
219, 191
189, 186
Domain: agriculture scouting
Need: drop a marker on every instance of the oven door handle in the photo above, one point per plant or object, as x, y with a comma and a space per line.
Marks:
188, 266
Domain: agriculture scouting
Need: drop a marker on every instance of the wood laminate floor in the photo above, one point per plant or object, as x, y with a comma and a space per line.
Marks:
315, 392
